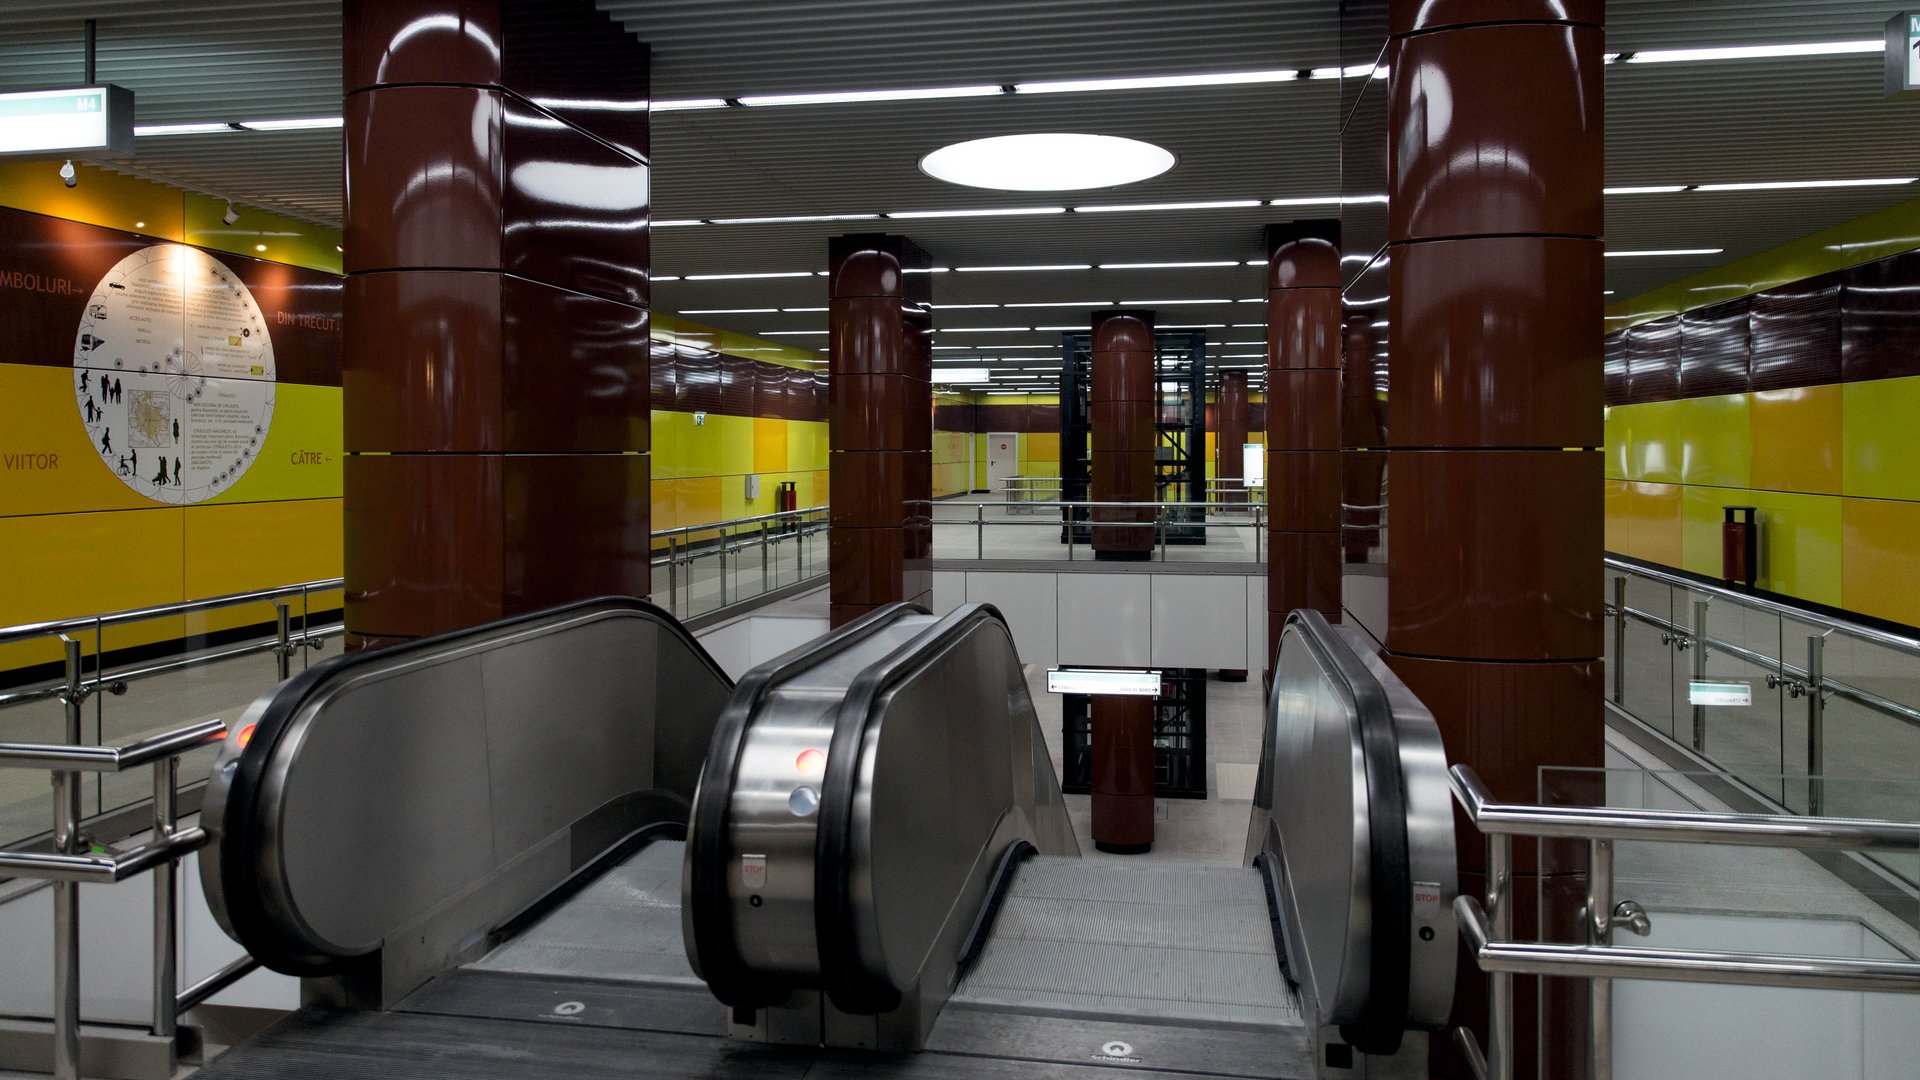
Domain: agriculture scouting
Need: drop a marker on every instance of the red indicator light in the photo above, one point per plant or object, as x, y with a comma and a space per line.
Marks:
246, 736
810, 762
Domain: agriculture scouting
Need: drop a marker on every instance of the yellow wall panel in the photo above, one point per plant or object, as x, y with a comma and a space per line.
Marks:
245, 546
1616, 501
1800, 539
1716, 441
1615, 459
1652, 433
1881, 456
1797, 440
301, 458
110, 199
61, 566
1881, 544
1653, 525
48, 465
769, 445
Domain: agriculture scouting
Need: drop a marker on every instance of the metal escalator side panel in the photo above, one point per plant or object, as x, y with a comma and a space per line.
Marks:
938, 768
415, 795
749, 739
1335, 809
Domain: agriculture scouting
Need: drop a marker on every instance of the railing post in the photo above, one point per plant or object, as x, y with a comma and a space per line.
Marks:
1160, 523
1700, 673
1816, 724
1600, 932
1259, 527
799, 547
673, 578
1620, 639
166, 779
980, 531
283, 635
766, 568
1500, 984
723, 566
66, 894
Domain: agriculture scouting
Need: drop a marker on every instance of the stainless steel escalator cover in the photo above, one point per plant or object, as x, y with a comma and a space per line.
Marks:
1361, 825
446, 776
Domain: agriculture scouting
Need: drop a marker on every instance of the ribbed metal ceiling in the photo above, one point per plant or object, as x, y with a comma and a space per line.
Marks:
1813, 118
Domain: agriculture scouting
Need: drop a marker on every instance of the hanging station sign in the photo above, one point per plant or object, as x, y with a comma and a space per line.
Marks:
1903, 55
87, 121
1103, 681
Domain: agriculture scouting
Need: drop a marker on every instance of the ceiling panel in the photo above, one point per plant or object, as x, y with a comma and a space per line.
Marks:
206, 60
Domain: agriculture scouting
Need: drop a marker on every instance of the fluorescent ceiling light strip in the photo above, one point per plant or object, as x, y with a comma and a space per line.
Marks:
675, 223
982, 329
1168, 303
793, 333
1219, 204
1783, 185
1352, 71
1310, 200
1667, 251
730, 311
1015, 211
798, 310
962, 307
747, 277
686, 104
305, 124
1645, 189
1065, 303
1758, 52
851, 96
1158, 82
997, 269
790, 218
1168, 266
181, 129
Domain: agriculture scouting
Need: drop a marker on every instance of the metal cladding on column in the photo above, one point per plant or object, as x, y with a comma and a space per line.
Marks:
1303, 421
1230, 437
1122, 739
495, 389
1124, 401
1493, 422
879, 423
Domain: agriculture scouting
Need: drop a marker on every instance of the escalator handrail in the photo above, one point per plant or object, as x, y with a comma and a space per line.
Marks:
1390, 903
842, 976
709, 912
282, 940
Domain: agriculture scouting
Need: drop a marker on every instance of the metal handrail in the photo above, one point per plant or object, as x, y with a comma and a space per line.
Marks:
1899, 642
777, 515
66, 867
1487, 923
28, 631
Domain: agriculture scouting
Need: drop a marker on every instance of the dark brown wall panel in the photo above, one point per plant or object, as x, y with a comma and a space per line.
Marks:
1794, 334
1880, 319
1714, 348
1653, 361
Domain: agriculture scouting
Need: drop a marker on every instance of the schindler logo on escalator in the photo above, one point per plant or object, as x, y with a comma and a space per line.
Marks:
566, 1011
1116, 1050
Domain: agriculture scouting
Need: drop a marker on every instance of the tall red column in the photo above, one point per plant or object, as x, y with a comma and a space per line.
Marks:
1230, 436
495, 385
879, 425
1124, 401
1303, 422
1494, 520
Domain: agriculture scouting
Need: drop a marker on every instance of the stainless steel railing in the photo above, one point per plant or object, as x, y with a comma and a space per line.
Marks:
66, 868
1487, 922
1811, 682
1165, 519
733, 540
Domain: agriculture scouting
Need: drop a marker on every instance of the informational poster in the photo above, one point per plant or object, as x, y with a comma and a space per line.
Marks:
174, 374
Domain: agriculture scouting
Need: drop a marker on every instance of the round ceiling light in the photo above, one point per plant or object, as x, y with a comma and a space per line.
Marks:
1047, 161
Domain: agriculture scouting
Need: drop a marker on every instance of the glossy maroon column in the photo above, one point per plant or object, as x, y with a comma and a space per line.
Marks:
1122, 746
1123, 401
495, 384
1230, 436
1493, 422
1303, 422
879, 424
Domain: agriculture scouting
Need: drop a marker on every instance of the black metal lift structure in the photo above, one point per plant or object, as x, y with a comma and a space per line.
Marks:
1180, 423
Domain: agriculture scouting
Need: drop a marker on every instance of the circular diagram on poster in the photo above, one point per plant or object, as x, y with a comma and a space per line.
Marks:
173, 374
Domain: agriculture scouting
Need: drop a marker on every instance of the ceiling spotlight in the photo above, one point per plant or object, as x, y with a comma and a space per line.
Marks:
231, 215
68, 176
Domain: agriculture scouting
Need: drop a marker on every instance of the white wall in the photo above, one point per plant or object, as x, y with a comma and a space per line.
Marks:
1134, 618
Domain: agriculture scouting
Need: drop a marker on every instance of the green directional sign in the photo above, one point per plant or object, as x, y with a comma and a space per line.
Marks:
85, 121
1903, 55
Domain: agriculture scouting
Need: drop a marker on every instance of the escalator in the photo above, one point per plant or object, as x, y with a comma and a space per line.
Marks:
470, 848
